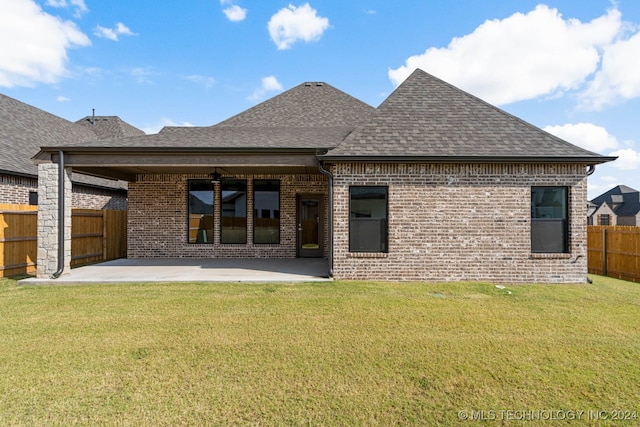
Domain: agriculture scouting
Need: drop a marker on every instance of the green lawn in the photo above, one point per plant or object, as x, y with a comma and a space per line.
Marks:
341, 353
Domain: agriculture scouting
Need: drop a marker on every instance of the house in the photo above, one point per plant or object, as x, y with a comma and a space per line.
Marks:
23, 129
618, 206
434, 184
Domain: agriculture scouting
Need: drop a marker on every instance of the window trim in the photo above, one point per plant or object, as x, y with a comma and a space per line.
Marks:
385, 250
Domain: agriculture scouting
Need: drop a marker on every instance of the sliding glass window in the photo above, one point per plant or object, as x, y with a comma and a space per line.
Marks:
233, 211
266, 211
200, 211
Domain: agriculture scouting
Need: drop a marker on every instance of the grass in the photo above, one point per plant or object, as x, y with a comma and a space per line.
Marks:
340, 353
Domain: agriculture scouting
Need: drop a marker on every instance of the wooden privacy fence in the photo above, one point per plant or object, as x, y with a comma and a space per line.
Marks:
96, 235
614, 251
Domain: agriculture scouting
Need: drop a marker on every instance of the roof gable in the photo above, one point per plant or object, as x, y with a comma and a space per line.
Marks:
429, 118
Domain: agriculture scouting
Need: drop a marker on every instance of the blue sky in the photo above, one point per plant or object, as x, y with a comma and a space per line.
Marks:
570, 67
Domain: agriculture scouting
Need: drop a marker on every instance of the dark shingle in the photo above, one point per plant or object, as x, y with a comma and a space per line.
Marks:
427, 117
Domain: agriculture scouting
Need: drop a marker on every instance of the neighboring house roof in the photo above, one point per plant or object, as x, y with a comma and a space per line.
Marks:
623, 200
108, 127
24, 129
428, 118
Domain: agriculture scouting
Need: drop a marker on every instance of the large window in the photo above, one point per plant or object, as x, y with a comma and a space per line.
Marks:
266, 211
605, 219
549, 220
200, 211
368, 227
233, 211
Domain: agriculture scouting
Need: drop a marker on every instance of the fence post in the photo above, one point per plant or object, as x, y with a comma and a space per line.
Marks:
604, 251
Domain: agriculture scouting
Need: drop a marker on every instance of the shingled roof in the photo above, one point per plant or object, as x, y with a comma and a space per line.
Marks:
24, 129
623, 200
309, 116
427, 118
307, 105
109, 127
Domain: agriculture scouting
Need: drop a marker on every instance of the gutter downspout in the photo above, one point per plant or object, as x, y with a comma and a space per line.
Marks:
60, 216
330, 253
590, 170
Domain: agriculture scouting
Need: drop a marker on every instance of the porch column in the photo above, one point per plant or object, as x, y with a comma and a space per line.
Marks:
48, 224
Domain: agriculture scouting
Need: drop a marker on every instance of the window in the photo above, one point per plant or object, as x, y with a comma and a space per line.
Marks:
33, 198
233, 211
368, 227
266, 211
605, 219
200, 211
549, 220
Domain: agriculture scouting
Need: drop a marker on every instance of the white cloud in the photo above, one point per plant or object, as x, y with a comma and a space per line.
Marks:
34, 44
586, 135
618, 77
235, 13
113, 33
156, 127
520, 57
142, 75
62, 99
207, 81
628, 159
268, 84
80, 5
292, 23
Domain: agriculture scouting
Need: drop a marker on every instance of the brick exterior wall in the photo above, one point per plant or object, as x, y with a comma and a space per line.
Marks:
158, 218
98, 198
450, 222
15, 190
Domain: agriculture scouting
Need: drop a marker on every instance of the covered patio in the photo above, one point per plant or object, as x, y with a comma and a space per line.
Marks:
195, 270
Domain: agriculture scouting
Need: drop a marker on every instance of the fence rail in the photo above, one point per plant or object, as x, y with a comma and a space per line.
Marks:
96, 235
614, 251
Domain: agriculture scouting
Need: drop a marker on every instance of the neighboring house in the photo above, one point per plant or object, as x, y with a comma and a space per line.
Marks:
618, 206
434, 184
24, 129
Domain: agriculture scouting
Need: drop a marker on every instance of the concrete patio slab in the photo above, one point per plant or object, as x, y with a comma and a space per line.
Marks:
195, 270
